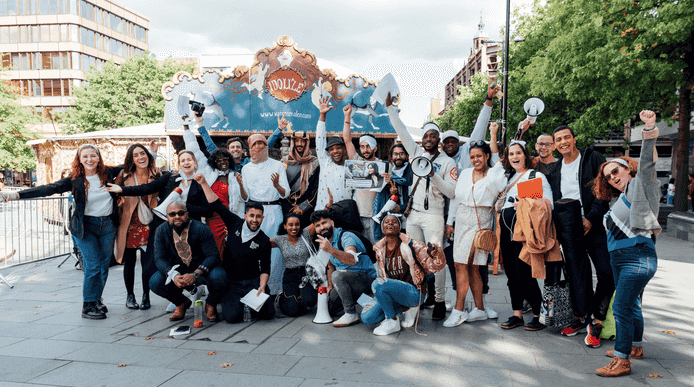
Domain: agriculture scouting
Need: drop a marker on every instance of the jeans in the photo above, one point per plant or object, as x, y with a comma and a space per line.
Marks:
429, 227
232, 308
215, 281
350, 285
633, 267
96, 247
391, 295
296, 301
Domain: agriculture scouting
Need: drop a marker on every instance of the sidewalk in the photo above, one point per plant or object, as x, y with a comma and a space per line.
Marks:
44, 341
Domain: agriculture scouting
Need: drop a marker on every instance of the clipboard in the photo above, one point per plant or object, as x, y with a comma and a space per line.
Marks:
531, 189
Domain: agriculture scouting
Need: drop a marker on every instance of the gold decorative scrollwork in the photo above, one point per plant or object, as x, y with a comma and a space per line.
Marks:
285, 40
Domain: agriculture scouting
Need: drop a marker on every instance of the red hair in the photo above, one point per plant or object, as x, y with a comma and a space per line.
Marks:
78, 168
604, 190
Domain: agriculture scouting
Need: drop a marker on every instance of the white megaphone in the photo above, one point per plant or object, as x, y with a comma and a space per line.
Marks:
160, 210
421, 166
533, 107
322, 312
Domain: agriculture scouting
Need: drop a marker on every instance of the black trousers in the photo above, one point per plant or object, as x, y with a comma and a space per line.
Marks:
232, 308
147, 264
296, 301
521, 284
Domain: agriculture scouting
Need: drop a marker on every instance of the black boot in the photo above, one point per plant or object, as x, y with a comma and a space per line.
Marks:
144, 305
100, 305
130, 302
534, 325
439, 311
91, 312
431, 290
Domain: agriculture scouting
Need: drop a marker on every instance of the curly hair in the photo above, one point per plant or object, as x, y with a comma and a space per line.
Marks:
217, 153
602, 189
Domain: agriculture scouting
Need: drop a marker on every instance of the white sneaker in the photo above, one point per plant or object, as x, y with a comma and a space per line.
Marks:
171, 308
491, 313
346, 320
408, 317
456, 318
476, 315
387, 327
449, 306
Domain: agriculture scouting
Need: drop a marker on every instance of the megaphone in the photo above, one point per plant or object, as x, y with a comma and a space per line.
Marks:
533, 107
421, 166
322, 312
160, 210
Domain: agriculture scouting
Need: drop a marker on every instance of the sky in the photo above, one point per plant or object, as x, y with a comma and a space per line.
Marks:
423, 43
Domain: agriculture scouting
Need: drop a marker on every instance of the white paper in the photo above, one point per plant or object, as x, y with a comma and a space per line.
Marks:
363, 300
253, 301
386, 85
173, 332
361, 174
183, 106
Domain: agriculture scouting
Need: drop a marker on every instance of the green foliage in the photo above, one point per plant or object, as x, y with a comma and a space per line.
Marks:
14, 120
462, 116
124, 96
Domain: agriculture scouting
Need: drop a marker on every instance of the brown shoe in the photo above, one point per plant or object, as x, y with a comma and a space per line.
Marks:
180, 312
636, 353
617, 367
211, 313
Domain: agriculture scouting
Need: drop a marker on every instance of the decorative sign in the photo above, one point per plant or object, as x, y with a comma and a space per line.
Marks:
282, 80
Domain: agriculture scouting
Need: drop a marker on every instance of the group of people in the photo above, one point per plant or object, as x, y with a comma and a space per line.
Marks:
240, 224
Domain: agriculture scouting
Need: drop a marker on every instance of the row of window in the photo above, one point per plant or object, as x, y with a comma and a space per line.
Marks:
44, 87
75, 7
51, 61
66, 33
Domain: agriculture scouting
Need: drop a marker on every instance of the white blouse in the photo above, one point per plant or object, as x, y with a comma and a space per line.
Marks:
486, 189
99, 202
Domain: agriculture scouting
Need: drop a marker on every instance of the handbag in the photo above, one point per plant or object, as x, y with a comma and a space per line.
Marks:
143, 212
556, 310
485, 239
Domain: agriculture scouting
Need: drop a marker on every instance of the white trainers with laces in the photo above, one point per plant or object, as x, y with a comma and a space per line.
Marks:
387, 327
408, 317
491, 313
346, 320
476, 315
456, 318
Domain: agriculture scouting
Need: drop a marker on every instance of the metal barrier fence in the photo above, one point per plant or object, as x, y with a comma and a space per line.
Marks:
33, 229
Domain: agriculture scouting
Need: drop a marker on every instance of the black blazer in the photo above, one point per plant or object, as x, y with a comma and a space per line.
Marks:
79, 195
197, 204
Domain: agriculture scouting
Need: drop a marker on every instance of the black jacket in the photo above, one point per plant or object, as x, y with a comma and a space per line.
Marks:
593, 209
79, 193
205, 255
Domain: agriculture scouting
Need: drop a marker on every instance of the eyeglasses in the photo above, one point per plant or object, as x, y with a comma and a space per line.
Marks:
544, 144
399, 154
477, 144
176, 213
612, 174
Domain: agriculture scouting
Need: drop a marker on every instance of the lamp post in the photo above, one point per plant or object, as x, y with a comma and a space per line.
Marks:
504, 99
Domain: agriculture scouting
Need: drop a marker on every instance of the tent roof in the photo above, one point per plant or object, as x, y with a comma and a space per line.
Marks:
141, 131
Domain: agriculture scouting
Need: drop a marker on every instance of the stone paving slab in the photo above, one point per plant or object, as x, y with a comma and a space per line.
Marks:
80, 374
225, 379
19, 369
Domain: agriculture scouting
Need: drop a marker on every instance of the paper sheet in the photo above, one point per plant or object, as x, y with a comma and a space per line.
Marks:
385, 85
255, 302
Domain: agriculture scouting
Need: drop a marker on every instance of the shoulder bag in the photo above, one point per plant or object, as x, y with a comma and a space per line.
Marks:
485, 239
143, 212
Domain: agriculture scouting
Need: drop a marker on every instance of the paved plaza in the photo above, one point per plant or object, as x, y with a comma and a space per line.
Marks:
44, 341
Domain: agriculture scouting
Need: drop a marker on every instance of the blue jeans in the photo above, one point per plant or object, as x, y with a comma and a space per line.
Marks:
391, 295
96, 247
633, 267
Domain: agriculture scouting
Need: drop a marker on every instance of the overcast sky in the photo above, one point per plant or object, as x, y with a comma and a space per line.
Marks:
423, 43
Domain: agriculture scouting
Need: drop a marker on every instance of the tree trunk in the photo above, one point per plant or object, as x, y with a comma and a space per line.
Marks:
682, 161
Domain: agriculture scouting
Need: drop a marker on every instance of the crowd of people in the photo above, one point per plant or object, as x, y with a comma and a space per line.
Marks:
255, 224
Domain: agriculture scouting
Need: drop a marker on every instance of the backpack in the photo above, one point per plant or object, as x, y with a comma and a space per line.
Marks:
367, 244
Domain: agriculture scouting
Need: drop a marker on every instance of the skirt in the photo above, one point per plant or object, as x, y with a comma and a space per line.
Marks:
465, 229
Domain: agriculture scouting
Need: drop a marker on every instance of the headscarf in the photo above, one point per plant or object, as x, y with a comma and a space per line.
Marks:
307, 161
257, 157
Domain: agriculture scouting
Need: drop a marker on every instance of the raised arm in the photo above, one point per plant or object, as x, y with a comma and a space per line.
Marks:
410, 145
209, 144
347, 132
480, 130
321, 152
60, 186
646, 171
277, 135
228, 217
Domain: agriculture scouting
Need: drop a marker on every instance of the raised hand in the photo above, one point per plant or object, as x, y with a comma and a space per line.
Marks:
200, 178
282, 123
154, 146
493, 88
648, 118
275, 178
493, 129
330, 201
323, 243
347, 110
389, 100
324, 105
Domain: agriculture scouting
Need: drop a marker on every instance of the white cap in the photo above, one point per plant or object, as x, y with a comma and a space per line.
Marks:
450, 134
430, 126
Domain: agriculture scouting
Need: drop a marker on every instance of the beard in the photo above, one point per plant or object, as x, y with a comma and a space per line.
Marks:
179, 229
328, 234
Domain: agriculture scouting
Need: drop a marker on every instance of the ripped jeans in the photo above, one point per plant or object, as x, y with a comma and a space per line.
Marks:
390, 296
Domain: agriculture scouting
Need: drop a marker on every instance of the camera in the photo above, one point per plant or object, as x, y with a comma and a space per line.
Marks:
197, 107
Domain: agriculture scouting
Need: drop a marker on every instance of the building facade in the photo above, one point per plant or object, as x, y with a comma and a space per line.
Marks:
49, 45
484, 57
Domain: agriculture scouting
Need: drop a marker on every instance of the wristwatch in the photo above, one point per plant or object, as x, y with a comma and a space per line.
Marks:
196, 275
488, 98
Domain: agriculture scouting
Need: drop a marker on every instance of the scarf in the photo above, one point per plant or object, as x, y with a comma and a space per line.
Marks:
307, 161
257, 157
181, 244
247, 234
182, 177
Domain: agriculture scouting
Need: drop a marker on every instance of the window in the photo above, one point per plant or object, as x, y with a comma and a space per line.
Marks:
43, 7
11, 7
114, 47
20, 8
46, 61
55, 33
113, 21
83, 8
74, 33
26, 91
107, 19
4, 35
66, 88
36, 87
72, 7
85, 63
26, 61
15, 62
45, 34
47, 88
31, 7
97, 15
34, 35
75, 65
90, 12
66, 61
14, 34
23, 37
63, 7
64, 36
53, 7
6, 60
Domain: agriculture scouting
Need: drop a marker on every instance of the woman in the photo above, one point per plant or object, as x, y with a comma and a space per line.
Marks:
294, 246
632, 225
521, 284
93, 222
475, 192
374, 176
133, 235
400, 278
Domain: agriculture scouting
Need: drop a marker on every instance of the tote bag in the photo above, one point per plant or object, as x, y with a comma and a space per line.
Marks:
556, 310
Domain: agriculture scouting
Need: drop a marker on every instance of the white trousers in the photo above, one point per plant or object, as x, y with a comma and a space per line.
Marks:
429, 228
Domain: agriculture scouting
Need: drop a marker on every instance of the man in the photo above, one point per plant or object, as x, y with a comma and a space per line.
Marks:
545, 162
331, 156
186, 255
368, 147
578, 217
264, 181
350, 270
400, 176
246, 256
426, 221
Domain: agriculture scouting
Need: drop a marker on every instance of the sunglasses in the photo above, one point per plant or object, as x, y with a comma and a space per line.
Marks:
612, 174
477, 144
179, 213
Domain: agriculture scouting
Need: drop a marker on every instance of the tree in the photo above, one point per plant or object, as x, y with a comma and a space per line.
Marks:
14, 120
116, 97
462, 115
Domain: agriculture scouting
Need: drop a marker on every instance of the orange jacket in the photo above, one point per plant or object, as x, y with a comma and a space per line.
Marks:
534, 227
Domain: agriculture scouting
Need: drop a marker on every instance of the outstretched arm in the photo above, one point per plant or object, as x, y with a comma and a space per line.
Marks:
347, 132
209, 144
321, 152
278, 133
410, 145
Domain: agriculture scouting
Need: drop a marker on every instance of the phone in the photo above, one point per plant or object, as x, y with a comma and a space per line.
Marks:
183, 329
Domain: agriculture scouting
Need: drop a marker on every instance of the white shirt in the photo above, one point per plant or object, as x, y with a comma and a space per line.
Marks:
99, 202
331, 175
256, 180
570, 182
513, 191
486, 189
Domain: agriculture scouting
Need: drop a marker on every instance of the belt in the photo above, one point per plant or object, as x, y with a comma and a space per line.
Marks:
97, 217
272, 203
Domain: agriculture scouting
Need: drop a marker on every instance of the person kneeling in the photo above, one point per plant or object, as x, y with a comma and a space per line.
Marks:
246, 256
350, 269
186, 256
399, 283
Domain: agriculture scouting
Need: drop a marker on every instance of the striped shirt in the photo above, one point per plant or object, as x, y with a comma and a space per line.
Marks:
620, 235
